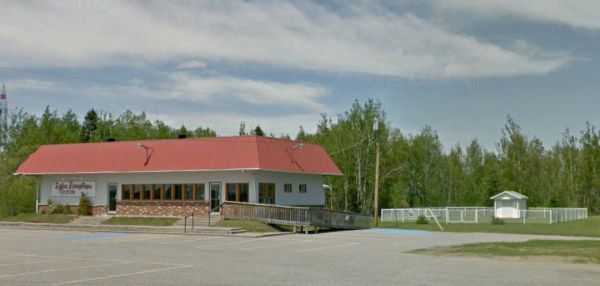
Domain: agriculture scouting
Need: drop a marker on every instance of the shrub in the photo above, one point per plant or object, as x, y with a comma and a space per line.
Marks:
497, 221
422, 220
85, 207
57, 208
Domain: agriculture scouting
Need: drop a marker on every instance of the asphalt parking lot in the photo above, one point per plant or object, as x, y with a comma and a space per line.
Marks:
366, 257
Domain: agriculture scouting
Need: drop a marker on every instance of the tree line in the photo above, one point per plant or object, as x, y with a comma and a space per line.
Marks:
415, 169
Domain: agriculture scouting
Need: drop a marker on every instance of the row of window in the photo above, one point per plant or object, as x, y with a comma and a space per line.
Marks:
237, 192
288, 188
163, 192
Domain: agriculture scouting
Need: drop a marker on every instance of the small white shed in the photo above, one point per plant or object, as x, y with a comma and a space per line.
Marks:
509, 204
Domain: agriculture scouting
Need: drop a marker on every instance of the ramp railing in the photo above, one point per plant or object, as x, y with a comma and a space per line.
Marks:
295, 216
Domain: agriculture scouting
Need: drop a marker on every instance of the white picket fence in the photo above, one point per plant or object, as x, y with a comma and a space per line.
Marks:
484, 215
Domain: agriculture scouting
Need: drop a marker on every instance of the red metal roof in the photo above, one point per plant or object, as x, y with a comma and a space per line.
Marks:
193, 154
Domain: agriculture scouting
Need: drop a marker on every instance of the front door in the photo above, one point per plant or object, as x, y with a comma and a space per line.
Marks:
215, 196
112, 198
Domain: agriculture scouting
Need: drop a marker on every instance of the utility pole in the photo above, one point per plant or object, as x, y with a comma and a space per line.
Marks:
3, 117
376, 199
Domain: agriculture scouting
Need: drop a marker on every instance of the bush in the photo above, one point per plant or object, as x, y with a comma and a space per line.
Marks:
422, 220
497, 221
57, 208
85, 207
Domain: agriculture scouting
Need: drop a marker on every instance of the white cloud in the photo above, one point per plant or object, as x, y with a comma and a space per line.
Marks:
193, 64
360, 39
29, 84
575, 13
201, 89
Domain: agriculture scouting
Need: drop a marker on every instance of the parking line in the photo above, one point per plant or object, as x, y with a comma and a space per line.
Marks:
328, 247
26, 263
188, 240
55, 270
276, 245
232, 243
122, 275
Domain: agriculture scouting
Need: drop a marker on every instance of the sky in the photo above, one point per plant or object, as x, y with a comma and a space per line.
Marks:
458, 66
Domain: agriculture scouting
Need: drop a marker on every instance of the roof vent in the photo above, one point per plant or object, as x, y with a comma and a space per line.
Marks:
181, 136
110, 139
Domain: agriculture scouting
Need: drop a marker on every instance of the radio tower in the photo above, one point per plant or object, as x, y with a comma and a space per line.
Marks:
3, 117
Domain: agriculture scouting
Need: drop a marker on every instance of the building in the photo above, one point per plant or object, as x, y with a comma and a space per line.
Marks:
179, 176
509, 204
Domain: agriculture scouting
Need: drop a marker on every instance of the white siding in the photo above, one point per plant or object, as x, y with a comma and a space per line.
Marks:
102, 181
313, 196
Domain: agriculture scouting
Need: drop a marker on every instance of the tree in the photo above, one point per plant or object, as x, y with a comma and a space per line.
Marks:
242, 131
258, 131
204, 132
89, 126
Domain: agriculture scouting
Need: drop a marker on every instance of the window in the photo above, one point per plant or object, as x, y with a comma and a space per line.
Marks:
266, 193
302, 188
199, 192
125, 192
137, 192
287, 188
156, 193
147, 194
168, 192
178, 192
244, 192
237, 192
189, 192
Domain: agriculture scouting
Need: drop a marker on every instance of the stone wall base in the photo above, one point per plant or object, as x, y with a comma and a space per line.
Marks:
161, 208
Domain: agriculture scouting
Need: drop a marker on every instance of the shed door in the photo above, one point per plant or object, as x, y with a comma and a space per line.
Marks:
506, 209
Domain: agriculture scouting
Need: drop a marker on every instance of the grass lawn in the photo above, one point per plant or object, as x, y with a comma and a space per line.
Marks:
587, 227
581, 251
247, 225
150, 221
40, 218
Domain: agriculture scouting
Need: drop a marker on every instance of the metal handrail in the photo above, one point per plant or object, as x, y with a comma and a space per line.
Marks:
185, 222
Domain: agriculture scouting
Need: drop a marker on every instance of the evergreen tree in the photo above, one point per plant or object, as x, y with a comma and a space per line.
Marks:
258, 131
89, 126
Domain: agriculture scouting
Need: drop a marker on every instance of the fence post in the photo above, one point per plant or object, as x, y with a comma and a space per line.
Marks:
446, 215
476, 216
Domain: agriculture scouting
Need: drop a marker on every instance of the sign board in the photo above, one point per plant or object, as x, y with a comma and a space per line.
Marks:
73, 188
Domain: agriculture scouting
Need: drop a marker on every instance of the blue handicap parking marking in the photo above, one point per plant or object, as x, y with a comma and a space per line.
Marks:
92, 236
398, 231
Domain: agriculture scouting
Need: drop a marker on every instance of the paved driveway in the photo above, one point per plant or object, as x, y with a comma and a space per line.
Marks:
366, 257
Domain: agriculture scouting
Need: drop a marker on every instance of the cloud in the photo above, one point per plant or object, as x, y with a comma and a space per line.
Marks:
577, 14
359, 38
186, 87
193, 64
30, 84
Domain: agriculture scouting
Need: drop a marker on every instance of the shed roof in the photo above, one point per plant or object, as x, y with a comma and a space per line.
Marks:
510, 193
192, 154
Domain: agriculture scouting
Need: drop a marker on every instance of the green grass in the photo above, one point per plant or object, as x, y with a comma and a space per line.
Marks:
149, 221
40, 218
247, 225
589, 227
580, 251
